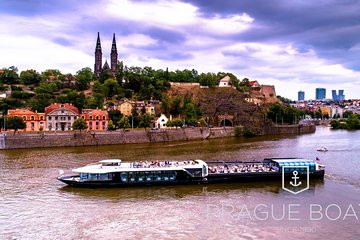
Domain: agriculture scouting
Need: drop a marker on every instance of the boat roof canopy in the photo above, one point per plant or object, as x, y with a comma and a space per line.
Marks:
292, 161
110, 161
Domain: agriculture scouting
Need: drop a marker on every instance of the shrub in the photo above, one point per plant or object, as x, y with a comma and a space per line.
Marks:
237, 131
249, 133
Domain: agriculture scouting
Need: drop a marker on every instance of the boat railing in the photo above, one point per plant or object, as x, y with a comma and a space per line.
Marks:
239, 167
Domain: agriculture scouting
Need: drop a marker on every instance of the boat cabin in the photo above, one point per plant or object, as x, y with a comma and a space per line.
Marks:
110, 162
291, 164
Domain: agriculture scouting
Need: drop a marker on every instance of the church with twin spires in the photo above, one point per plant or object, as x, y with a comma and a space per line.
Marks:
98, 67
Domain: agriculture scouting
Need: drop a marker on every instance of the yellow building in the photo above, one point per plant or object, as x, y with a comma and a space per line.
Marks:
326, 110
126, 107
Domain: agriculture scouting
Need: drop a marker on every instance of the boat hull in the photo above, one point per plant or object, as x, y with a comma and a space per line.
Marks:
211, 178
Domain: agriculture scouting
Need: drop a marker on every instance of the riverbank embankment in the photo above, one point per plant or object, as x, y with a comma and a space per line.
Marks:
90, 138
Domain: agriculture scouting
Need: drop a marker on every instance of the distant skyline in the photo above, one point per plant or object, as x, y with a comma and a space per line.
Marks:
288, 44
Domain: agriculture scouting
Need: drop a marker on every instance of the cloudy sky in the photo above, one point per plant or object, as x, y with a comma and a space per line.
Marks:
294, 45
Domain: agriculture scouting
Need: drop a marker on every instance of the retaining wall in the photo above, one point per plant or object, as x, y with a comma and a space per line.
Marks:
73, 139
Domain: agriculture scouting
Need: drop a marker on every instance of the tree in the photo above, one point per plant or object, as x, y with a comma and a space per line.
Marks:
145, 121
115, 116
28, 77
202, 122
9, 75
318, 114
83, 78
111, 87
165, 104
124, 122
111, 126
79, 124
15, 123
175, 107
346, 114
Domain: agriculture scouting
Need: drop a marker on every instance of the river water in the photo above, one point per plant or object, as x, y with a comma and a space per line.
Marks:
34, 205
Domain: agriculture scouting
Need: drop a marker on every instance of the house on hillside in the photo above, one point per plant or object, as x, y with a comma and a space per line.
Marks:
255, 85
225, 82
126, 107
268, 91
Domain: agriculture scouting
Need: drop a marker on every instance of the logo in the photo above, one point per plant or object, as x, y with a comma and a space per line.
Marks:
295, 181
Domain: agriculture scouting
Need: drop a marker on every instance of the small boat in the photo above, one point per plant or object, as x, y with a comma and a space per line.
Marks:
115, 173
322, 149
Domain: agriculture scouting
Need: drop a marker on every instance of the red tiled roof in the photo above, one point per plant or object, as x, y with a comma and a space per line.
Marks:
251, 83
20, 112
54, 106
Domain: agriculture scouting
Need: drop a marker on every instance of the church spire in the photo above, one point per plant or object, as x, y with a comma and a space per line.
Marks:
113, 47
113, 56
98, 57
98, 43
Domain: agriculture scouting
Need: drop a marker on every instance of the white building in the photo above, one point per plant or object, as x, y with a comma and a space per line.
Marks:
225, 82
161, 121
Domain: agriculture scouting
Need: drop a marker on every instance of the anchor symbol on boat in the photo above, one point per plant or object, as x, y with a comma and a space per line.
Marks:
295, 177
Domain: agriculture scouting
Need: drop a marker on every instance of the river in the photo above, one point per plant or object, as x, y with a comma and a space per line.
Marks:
34, 205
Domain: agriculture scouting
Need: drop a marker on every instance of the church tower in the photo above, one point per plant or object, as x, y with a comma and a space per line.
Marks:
113, 56
98, 57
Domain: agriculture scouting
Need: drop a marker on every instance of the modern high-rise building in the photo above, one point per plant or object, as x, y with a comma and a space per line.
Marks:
334, 95
339, 96
320, 93
301, 95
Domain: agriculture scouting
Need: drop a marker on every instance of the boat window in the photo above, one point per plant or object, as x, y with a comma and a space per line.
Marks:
132, 176
149, 176
157, 176
165, 175
105, 176
197, 172
141, 176
83, 176
204, 170
93, 176
124, 177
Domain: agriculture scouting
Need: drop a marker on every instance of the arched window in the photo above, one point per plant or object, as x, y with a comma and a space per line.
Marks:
41, 118
103, 117
24, 118
97, 117
90, 117
32, 118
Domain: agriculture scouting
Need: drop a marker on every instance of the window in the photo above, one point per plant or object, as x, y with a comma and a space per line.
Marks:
124, 177
103, 117
90, 117
97, 117
24, 118
49, 118
69, 118
32, 118
56, 118
42, 118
